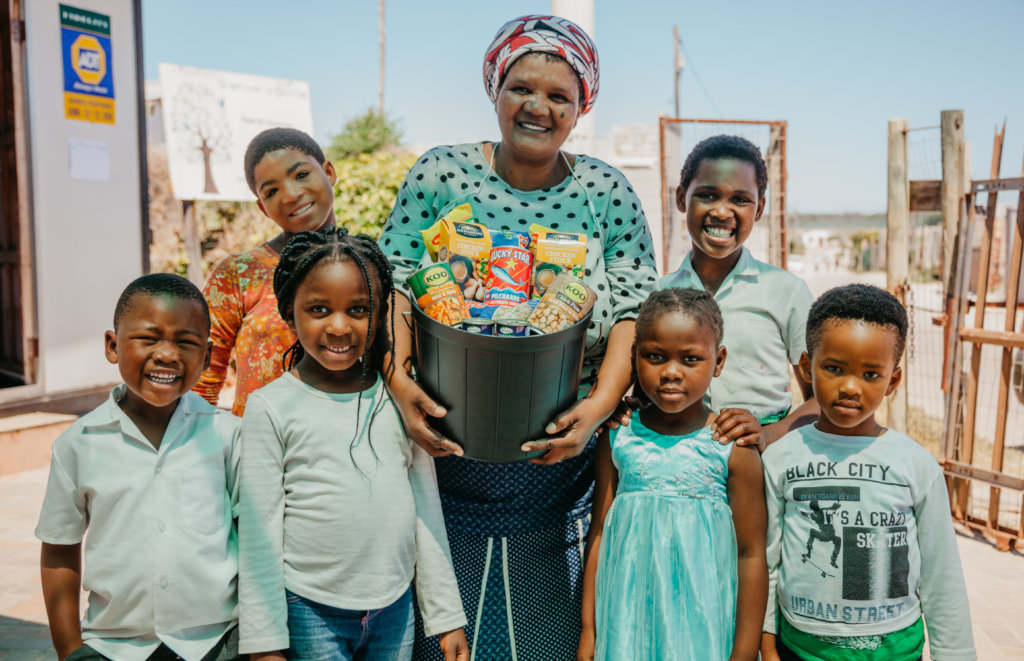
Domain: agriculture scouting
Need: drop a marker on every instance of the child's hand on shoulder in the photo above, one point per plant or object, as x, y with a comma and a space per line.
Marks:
623, 413
737, 426
454, 645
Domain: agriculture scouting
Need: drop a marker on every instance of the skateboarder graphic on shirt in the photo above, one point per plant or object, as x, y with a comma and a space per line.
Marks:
825, 531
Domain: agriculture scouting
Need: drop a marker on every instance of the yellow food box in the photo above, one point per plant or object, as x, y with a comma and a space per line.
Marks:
555, 253
432, 235
466, 247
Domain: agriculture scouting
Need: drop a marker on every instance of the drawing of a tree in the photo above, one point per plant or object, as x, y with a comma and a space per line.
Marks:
199, 118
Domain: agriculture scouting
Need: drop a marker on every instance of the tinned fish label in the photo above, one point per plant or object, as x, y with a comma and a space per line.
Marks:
508, 281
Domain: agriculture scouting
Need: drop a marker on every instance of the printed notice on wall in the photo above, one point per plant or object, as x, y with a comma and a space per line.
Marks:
88, 159
88, 65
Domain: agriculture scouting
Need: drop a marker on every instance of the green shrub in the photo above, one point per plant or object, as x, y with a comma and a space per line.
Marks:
367, 188
365, 134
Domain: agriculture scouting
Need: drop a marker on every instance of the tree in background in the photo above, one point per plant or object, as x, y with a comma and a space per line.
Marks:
368, 187
224, 227
198, 113
368, 133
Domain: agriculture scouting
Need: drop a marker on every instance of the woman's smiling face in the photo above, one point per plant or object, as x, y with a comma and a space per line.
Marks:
537, 106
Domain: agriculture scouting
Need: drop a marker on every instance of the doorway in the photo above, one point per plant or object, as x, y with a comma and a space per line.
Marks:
17, 348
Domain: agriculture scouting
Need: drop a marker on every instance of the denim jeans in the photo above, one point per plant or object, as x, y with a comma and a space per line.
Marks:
324, 633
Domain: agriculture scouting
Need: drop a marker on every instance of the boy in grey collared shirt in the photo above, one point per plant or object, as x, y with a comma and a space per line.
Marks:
152, 474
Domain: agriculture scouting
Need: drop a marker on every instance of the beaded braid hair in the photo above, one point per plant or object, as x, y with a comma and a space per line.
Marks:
697, 304
303, 253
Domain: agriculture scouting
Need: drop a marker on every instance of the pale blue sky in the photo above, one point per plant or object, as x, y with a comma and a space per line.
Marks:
836, 71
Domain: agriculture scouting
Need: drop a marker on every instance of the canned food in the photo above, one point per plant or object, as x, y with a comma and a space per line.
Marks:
478, 326
511, 328
508, 281
566, 301
438, 295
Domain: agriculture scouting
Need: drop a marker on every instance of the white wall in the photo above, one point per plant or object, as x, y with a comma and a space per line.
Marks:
633, 149
580, 12
88, 234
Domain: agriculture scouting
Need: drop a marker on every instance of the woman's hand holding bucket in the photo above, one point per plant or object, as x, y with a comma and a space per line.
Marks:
581, 421
413, 404
416, 408
577, 425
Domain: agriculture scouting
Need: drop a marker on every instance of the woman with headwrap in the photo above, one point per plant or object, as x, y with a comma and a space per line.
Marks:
517, 530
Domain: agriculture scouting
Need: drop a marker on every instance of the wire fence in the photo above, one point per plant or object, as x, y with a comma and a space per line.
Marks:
924, 153
926, 398
924, 359
927, 348
987, 414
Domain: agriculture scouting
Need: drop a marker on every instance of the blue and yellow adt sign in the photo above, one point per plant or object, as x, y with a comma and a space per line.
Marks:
88, 74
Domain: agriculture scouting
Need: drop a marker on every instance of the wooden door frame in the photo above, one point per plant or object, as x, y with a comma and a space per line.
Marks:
26, 238
34, 394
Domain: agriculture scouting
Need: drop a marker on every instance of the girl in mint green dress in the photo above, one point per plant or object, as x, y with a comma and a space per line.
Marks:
675, 559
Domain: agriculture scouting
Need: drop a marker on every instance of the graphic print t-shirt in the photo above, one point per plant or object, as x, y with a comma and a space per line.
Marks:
844, 544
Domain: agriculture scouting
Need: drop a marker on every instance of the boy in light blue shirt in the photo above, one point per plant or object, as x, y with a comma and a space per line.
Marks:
722, 188
152, 474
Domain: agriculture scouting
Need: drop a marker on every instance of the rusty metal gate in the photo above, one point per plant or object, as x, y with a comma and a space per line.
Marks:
983, 439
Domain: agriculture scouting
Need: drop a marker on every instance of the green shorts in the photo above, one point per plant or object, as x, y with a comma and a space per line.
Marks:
772, 419
902, 645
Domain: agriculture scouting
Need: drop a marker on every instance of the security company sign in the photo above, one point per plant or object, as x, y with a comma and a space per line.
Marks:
88, 71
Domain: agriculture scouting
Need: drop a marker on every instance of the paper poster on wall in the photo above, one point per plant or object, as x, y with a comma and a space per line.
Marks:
88, 159
209, 119
88, 65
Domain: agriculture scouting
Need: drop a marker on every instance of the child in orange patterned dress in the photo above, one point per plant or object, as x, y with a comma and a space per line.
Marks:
294, 186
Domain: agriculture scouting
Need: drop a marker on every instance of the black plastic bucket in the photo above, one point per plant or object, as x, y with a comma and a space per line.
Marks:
499, 391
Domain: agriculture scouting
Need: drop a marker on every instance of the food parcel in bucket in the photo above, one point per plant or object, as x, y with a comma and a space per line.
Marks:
502, 282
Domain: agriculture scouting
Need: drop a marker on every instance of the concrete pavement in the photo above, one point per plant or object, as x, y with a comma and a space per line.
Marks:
24, 635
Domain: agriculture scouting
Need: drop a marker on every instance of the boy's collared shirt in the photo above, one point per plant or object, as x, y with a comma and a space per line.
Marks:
161, 554
764, 310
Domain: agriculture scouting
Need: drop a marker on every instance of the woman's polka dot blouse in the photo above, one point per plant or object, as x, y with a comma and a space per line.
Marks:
620, 259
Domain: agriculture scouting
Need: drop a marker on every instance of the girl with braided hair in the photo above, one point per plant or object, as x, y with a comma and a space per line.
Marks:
675, 560
335, 526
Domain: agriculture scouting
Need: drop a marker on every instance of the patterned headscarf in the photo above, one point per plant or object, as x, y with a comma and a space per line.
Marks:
542, 34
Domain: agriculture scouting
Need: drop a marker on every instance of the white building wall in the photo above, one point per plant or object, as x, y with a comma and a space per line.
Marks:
633, 149
87, 234
581, 12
